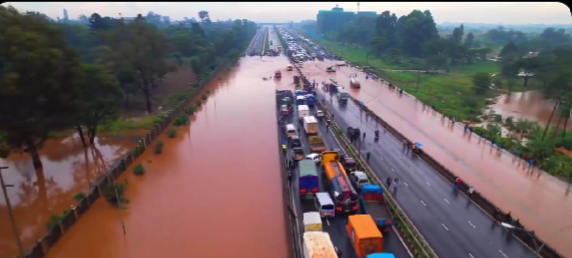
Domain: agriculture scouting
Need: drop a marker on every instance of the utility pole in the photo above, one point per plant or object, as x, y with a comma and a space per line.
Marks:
11, 214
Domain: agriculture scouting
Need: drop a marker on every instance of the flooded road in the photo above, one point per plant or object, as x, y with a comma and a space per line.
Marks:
69, 168
540, 202
216, 190
530, 105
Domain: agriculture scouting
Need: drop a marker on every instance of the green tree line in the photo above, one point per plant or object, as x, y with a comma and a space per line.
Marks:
57, 75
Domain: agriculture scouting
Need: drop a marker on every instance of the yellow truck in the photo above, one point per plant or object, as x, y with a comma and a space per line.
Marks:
316, 144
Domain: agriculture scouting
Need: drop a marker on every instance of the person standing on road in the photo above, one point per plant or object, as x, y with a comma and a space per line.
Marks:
364, 136
395, 183
388, 181
367, 156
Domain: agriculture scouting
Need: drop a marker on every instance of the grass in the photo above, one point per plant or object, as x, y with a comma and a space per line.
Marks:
122, 124
452, 94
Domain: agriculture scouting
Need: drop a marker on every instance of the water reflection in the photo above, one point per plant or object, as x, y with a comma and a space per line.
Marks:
69, 168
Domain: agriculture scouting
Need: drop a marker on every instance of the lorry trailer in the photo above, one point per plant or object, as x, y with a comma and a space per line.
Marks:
372, 202
364, 235
318, 245
308, 180
311, 125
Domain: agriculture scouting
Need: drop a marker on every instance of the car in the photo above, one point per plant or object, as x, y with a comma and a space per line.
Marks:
315, 157
319, 113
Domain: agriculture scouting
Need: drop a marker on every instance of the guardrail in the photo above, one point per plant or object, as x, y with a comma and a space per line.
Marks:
525, 236
415, 240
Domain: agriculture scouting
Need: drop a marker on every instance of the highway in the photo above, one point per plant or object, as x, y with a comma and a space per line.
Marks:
335, 227
452, 225
256, 43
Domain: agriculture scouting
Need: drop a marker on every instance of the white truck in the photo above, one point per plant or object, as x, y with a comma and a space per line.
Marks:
312, 221
303, 110
311, 125
318, 245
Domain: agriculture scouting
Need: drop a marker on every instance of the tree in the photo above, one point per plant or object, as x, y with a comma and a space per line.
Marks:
99, 100
140, 49
39, 81
481, 82
469, 40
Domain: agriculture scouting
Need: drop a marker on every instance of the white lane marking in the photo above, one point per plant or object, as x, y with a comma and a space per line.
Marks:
447, 201
428, 183
327, 222
403, 243
399, 157
392, 169
503, 254
381, 157
471, 255
405, 184
472, 225
411, 168
422, 202
444, 226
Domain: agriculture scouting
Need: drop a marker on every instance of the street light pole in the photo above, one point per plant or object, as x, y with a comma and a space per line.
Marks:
11, 214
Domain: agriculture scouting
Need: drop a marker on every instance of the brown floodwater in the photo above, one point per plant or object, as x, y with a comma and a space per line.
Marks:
69, 168
539, 200
215, 191
529, 105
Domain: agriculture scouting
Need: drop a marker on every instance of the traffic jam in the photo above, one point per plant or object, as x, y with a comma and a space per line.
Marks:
334, 195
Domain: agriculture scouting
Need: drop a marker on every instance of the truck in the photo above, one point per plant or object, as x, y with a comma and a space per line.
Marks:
343, 194
372, 202
277, 74
318, 244
316, 143
312, 221
364, 235
343, 97
330, 69
354, 82
308, 180
303, 110
311, 100
311, 125
381, 255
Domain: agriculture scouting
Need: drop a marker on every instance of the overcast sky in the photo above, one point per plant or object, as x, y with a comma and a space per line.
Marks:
506, 13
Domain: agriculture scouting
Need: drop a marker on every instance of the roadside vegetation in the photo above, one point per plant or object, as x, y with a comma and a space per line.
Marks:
460, 72
101, 74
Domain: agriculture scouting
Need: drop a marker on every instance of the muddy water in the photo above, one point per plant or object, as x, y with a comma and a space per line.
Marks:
530, 105
540, 202
69, 168
214, 192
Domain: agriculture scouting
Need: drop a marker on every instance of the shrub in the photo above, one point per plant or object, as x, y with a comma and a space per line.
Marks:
199, 103
158, 149
208, 91
204, 97
56, 218
181, 120
190, 110
139, 170
172, 132
79, 196
113, 192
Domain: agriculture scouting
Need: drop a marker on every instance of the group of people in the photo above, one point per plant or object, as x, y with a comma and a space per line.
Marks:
395, 182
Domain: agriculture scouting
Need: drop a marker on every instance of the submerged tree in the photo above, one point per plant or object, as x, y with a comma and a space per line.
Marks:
39, 76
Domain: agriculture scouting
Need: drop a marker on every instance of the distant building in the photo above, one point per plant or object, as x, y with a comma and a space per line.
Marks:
66, 17
335, 19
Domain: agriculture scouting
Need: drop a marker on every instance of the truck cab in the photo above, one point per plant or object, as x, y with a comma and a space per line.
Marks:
348, 163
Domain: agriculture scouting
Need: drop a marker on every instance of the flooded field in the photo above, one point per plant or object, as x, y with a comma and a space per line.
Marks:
216, 190
69, 168
530, 105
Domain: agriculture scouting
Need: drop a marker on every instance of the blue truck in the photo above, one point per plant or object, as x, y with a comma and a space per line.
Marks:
372, 202
311, 100
308, 181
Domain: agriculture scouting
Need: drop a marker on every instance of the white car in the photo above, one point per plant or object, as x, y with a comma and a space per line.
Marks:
319, 113
315, 157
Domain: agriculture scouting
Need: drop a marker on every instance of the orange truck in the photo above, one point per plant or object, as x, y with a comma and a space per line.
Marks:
364, 235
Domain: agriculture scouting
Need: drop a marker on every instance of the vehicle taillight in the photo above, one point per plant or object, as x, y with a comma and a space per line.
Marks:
339, 208
315, 190
388, 222
303, 191
355, 208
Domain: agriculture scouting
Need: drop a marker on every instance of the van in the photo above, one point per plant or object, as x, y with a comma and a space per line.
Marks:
324, 205
358, 179
291, 130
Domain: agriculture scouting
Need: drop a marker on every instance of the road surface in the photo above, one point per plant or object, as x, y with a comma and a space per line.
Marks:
540, 201
452, 225
336, 227
257, 42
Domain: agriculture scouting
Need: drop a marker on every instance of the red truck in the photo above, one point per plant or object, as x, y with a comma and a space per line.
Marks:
372, 202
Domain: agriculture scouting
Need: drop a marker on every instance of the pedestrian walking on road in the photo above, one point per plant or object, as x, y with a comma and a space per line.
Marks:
395, 183
364, 136
388, 181
367, 156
